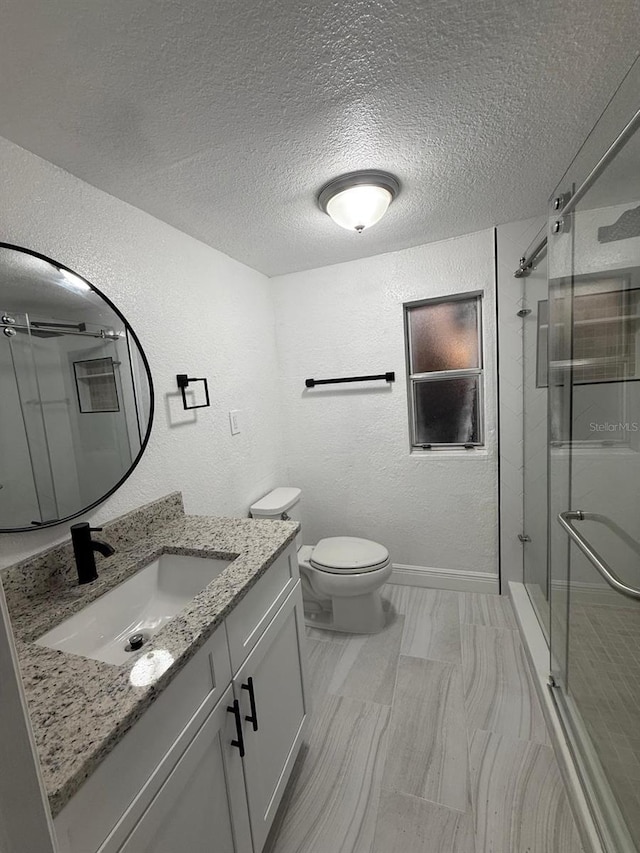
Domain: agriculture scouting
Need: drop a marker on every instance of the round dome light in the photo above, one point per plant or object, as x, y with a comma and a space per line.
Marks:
359, 199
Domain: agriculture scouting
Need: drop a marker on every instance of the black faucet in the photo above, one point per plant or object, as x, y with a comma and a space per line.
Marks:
83, 548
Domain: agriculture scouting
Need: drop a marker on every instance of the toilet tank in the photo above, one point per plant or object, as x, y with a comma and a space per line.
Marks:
279, 503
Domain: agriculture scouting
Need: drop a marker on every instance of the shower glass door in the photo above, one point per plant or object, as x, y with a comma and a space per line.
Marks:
535, 330
594, 486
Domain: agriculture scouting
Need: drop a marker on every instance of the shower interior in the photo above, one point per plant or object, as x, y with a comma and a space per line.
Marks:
581, 458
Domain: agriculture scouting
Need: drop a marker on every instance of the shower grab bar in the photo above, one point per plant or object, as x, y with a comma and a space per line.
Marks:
566, 519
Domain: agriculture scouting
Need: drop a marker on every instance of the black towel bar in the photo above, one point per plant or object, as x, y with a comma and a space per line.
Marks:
388, 377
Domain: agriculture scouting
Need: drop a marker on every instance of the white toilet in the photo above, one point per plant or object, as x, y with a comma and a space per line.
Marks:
341, 576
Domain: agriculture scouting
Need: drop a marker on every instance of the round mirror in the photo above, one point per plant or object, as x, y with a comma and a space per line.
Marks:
76, 397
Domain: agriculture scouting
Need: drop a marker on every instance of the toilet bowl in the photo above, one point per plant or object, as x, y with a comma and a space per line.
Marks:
341, 575
347, 572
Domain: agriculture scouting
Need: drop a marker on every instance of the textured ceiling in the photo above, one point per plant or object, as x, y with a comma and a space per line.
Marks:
224, 119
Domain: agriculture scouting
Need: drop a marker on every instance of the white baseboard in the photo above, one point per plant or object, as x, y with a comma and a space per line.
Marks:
444, 579
537, 652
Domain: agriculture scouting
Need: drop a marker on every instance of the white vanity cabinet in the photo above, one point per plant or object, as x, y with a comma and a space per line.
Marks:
214, 784
201, 808
269, 688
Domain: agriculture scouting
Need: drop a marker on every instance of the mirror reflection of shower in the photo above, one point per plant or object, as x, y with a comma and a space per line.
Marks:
73, 389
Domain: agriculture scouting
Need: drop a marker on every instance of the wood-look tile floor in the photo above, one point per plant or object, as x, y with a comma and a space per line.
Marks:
425, 738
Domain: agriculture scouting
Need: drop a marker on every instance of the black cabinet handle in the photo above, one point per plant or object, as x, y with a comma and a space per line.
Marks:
239, 742
253, 717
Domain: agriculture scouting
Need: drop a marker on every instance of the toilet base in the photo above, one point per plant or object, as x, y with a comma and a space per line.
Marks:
349, 603
359, 614
355, 614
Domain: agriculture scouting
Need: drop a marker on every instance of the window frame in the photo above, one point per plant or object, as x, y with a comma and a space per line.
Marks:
413, 379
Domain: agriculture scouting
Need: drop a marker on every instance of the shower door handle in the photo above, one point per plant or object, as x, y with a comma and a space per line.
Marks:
566, 520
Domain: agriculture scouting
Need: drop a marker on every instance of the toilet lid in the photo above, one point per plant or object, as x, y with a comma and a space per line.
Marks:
348, 554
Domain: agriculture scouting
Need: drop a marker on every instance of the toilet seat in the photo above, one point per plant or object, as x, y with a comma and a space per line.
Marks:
348, 555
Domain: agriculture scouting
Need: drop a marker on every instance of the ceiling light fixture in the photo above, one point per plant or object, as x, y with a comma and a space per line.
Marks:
358, 200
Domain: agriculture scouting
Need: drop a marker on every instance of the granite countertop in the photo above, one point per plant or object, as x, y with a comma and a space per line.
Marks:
81, 708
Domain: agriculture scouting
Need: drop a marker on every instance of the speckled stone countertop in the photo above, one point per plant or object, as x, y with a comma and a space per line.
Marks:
80, 708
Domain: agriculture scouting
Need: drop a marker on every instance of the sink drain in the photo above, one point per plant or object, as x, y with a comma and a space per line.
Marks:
135, 642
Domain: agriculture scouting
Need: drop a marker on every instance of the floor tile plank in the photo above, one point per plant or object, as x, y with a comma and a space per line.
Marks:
323, 659
349, 793
327, 636
499, 692
331, 803
427, 754
431, 622
367, 669
520, 803
412, 825
492, 611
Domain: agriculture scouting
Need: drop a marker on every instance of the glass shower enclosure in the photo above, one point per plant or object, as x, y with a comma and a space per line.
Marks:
535, 329
594, 481
581, 387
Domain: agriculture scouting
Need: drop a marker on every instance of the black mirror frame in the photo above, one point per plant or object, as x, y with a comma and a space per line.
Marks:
147, 368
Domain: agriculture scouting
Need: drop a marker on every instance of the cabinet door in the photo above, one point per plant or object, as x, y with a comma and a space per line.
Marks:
135, 770
201, 808
273, 676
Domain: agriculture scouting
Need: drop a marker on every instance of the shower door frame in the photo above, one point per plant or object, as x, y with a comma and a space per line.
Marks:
526, 314
608, 818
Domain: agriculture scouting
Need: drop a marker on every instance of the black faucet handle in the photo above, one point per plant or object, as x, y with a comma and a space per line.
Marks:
84, 525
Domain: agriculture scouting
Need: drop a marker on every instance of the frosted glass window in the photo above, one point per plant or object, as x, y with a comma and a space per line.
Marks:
444, 336
447, 411
444, 368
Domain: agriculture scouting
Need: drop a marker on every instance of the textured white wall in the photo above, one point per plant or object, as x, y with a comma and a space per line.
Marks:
194, 309
348, 446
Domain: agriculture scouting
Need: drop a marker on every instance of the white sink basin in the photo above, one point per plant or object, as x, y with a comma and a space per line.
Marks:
142, 604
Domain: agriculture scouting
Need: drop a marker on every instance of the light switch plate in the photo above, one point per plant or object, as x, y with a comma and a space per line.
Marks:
234, 421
